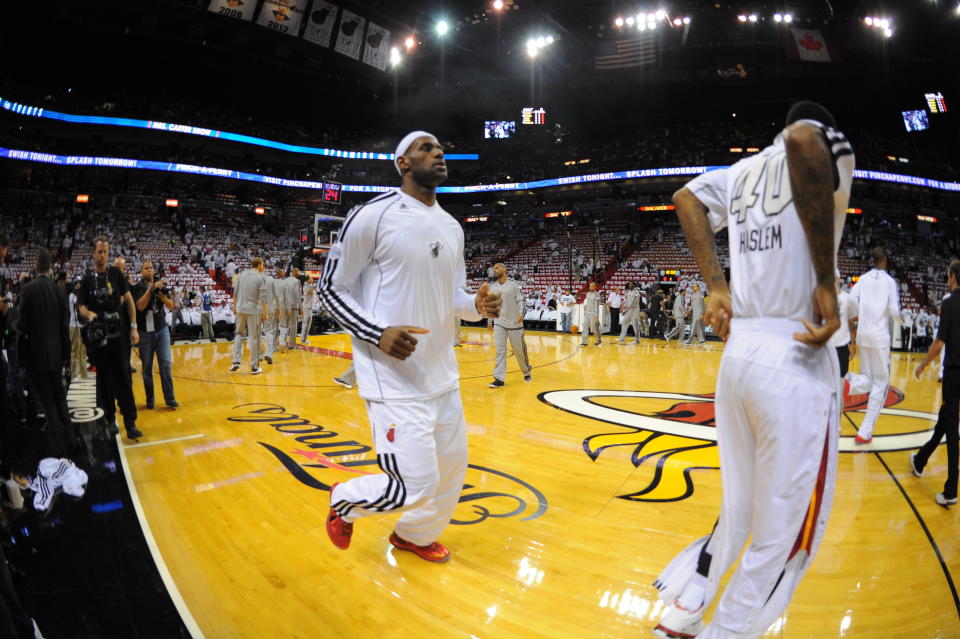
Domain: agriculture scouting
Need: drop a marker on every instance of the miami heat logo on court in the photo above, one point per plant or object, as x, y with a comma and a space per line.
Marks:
680, 438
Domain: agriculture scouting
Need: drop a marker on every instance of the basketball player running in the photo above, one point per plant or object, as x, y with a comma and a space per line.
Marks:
876, 297
778, 396
397, 270
508, 326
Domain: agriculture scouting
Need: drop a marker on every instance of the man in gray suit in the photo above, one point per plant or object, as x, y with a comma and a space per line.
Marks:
271, 324
696, 319
631, 314
291, 310
508, 326
679, 312
250, 307
591, 316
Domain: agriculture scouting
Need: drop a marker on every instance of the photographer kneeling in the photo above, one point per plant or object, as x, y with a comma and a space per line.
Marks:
104, 293
151, 296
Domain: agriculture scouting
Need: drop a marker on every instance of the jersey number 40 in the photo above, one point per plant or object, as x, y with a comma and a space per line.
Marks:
776, 190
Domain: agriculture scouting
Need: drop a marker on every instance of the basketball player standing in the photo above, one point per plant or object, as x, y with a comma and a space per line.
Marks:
508, 326
591, 316
778, 396
397, 270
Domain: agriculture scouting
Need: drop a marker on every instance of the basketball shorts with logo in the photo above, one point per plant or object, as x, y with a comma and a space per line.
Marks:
422, 450
777, 411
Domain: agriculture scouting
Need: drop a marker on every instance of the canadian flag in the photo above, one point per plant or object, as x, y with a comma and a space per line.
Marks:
810, 45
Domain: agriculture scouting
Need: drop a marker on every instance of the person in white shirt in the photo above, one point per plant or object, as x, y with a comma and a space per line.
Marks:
784, 209
397, 270
906, 327
614, 301
877, 298
844, 340
920, 330
567, 304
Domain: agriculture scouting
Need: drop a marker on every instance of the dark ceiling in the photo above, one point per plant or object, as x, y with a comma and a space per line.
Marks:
177, 50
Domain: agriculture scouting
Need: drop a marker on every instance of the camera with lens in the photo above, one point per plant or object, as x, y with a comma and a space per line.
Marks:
164, 290
97, 333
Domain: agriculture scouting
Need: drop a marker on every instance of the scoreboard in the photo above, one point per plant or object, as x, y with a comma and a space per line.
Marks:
332, 192
669, 275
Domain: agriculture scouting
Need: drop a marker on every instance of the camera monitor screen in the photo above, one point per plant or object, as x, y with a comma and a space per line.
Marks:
499, 129
916, 120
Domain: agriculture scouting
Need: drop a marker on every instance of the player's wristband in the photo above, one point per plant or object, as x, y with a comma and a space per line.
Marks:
134, 325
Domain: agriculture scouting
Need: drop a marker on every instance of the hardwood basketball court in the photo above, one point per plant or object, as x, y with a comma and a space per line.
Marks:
583, 484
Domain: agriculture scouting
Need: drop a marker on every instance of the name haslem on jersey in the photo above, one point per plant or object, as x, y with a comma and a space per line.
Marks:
771, 273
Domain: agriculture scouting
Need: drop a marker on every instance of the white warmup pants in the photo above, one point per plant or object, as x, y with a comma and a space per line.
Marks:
422, 450
247, 326
288, 328
677, 330
875, 364
696, 329
500, 337
630, 318
591, 324
307, 321
350, 375
270, 333
778, 470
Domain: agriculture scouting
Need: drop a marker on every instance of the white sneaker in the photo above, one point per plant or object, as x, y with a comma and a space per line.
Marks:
679, 623
337, 380
913, 465
234, 368
256, 371
943, 501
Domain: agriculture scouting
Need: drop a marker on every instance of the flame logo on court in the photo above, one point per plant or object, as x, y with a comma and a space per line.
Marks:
667, 453
674, 442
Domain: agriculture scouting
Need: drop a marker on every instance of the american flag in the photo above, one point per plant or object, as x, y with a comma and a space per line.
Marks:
624, 54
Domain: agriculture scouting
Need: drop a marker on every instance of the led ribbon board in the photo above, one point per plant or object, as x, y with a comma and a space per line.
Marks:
38, 112
174, 167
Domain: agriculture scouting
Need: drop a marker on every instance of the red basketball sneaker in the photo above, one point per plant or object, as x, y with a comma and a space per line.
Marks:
338, 530
435, 552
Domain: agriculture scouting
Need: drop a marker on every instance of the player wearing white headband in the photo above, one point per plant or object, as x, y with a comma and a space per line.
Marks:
397, 270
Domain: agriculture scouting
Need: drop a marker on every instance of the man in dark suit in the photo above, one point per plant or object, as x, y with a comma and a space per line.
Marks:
46, 347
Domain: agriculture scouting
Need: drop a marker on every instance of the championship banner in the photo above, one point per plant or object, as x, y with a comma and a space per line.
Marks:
375, 49
350, 36
283, 16
320, 23
242, 9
